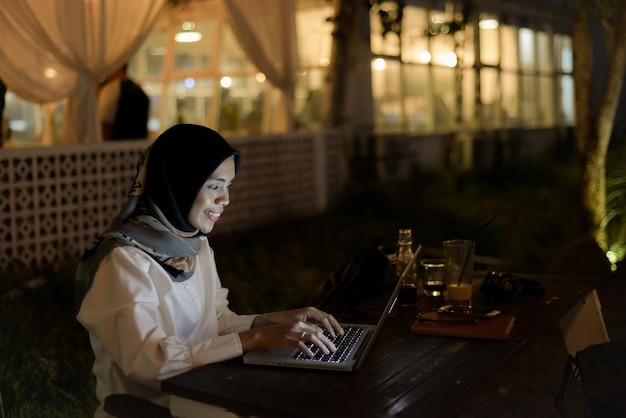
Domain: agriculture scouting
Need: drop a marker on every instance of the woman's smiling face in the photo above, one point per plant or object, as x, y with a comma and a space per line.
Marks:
213, 197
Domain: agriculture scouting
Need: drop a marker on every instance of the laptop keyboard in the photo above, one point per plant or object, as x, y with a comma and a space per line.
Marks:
344, 343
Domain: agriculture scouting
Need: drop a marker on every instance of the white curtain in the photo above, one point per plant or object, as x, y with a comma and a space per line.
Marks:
53, 49
267, 32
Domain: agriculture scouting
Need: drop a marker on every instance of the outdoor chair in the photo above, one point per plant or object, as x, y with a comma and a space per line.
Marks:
601, 370
594, 361
130, 406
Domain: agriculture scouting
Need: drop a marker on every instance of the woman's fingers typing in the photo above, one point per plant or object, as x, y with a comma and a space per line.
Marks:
308, 328
332, 325
309, 314
327, 321
306, 337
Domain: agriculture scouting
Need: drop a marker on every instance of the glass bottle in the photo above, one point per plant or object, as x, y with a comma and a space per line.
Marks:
408, 293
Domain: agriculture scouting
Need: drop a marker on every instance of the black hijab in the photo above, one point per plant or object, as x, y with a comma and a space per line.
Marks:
181, 160
170, 174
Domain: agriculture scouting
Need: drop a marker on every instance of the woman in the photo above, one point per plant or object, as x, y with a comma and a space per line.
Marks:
153, 302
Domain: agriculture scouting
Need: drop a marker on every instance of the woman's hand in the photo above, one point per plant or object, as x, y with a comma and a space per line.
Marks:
296, 334
292, 328
309, 314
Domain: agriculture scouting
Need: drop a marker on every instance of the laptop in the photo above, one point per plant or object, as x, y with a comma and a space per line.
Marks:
352, 347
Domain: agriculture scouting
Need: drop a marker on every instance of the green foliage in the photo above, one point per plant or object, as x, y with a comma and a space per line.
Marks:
616, 199
45, 357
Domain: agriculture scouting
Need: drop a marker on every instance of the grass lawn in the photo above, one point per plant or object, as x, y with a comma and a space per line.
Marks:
45, 359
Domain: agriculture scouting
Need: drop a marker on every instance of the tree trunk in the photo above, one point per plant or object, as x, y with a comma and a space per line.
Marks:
345, 20
594, 133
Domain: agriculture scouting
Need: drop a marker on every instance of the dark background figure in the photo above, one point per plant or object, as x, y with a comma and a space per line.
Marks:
123, 107
3, 90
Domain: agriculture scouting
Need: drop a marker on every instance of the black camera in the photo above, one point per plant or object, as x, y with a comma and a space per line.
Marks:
504, 286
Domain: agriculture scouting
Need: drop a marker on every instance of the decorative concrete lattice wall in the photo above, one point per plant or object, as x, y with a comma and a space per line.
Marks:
55, 200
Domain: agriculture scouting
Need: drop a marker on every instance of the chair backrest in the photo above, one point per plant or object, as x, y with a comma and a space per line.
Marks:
583, 325
601, 369
130, 406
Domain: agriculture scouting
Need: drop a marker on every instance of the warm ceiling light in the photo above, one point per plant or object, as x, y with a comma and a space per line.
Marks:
449, 59
50, 72
423, 56
226, 82
488, 23
188, 34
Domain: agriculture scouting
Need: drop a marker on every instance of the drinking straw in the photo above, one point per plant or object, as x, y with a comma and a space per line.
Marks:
469, 251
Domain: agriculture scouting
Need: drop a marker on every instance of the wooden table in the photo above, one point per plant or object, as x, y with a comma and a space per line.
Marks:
405, 375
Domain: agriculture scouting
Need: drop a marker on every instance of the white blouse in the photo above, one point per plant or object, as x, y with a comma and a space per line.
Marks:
144, 327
